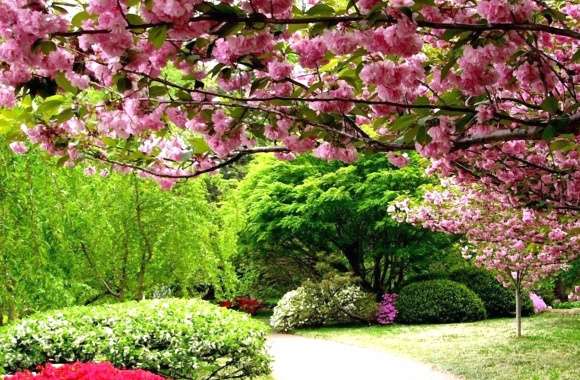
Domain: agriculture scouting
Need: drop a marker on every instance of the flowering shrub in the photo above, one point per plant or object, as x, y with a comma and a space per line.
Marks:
243, 303
574, 295
247, 304
329, 302
438, 301
85, 371
538, 302
176, 338
387, 309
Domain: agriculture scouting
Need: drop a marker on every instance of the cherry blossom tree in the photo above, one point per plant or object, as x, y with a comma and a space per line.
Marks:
521, 245
487, 90
176, 88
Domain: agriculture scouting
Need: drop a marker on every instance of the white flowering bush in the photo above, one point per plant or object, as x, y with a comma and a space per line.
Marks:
177, 338
331, 301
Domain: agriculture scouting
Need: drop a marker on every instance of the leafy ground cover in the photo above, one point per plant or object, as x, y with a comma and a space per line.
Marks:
487, 349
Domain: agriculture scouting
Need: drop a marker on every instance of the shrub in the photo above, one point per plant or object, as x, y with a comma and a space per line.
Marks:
574, 294
243, 303
387, 312
177, 338
498, 300
538, 303
331, 301
438, 301
85, 371
567, 305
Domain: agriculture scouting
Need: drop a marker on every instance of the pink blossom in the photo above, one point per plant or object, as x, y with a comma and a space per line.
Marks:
7, 98
18, 147
538, 303
279, 70
398, 160
311, 52
90, 170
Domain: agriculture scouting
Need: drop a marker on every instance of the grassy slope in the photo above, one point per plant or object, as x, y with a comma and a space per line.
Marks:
488, 349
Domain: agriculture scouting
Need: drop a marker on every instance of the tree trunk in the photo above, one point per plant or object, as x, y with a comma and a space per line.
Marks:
146, 247
518, 308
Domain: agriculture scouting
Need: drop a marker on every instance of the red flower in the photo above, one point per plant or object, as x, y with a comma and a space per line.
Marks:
85, 371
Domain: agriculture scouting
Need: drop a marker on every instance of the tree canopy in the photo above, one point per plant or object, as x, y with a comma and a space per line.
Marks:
68, 239
172, 89
315, 216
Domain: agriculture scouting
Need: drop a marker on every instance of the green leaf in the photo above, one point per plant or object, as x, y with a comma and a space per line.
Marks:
403, 122
155, 91
320, 9
124, 84
452, 98
550, 104
79, 18
576, 56
45, 46
134, 19
182, 95
64, 83
259, 84
562, 145
65, 115
199, 145
158, 35
549, 132
51, 106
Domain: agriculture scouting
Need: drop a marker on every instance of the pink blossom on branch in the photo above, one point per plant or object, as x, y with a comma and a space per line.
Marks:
187, 88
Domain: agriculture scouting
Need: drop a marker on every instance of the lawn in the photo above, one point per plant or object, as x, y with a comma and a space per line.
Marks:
488, 349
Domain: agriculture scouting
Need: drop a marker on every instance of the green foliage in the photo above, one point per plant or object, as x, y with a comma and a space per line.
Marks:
189, 339
567, 305
330, 301
68, 239
498, 300
438, 301
309, 217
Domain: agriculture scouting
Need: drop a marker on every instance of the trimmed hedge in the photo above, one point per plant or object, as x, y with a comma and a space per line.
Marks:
567, 305
439, 301
498, 300
177, 338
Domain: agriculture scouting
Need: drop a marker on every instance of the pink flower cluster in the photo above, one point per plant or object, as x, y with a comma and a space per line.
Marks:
84, 371
228, 50
327, 151
575, 294
387, 311
530, 243
538, 303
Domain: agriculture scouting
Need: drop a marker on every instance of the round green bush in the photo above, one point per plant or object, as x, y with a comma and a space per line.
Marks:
330, 301
498, 300
438, 301
187, 339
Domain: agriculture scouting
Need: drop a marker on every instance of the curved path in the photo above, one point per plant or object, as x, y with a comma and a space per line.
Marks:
299, 358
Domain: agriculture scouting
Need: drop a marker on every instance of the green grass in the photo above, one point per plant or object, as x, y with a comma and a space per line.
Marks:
549, 349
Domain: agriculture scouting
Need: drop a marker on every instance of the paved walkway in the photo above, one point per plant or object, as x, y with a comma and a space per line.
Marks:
299, 358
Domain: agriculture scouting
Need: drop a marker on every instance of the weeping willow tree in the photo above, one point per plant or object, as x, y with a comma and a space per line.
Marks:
67, 238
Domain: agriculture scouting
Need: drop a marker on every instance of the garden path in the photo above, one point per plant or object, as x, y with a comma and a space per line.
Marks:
299, 358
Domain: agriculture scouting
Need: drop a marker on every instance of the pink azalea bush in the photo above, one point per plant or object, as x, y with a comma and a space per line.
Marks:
575, 294
387, 311
84, 371
538, 302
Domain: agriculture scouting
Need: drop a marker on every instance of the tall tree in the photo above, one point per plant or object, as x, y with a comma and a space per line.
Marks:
73, 237
308, 212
